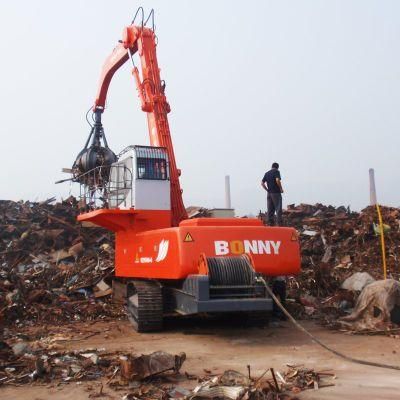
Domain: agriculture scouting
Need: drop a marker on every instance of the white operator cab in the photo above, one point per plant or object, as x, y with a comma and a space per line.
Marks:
140, 179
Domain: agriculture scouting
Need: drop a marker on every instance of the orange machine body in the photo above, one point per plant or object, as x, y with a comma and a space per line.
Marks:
174, 252
163, 244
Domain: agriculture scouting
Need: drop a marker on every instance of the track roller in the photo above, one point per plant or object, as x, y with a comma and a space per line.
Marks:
145, 305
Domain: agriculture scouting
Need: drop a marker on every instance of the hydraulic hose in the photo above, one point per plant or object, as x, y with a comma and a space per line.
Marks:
316, 340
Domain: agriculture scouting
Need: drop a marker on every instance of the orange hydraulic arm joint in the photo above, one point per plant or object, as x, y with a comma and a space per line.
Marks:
151, 90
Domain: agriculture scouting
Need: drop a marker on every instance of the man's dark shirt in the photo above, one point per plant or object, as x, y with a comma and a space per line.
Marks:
270, 179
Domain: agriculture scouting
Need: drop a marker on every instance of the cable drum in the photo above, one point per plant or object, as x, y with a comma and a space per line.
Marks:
230, 271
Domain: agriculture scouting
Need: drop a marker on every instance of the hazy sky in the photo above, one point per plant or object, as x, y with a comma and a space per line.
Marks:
313, 85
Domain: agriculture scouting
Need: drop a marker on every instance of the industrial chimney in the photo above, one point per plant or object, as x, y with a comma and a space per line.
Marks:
372, 189
228, 204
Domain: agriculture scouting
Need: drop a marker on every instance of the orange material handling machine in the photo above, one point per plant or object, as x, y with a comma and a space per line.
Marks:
171, 263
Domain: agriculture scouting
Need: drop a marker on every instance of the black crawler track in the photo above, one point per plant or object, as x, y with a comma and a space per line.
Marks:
145, 306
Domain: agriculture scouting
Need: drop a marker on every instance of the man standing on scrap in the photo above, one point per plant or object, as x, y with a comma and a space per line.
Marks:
272, 184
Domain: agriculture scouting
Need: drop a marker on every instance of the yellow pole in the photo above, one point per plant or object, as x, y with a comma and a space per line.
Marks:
382, 240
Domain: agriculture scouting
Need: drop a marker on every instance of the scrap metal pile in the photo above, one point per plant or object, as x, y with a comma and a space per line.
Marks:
51, 268
335, 244
150, 376
270, 385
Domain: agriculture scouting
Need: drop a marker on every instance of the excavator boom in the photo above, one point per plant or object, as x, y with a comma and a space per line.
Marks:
151, 91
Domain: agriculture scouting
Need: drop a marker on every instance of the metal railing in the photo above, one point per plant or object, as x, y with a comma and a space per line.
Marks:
106, 187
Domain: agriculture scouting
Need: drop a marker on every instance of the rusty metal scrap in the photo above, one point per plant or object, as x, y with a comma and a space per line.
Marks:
51, 268
233, 385
336, 243
40, 360
138, 368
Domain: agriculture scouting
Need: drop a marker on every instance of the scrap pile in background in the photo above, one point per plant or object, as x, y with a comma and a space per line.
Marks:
50, 267
341, 254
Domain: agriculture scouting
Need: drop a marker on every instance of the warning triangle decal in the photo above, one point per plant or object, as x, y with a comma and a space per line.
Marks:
188, 238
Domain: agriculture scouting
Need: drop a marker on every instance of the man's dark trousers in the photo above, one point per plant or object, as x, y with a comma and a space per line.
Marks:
274, 205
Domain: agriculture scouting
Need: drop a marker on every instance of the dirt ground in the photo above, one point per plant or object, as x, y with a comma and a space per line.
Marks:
218, 346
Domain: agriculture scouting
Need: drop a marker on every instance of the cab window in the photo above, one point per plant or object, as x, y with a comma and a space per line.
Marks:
152, 168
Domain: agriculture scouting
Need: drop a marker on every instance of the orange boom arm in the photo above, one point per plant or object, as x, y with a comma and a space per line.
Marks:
151, 89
